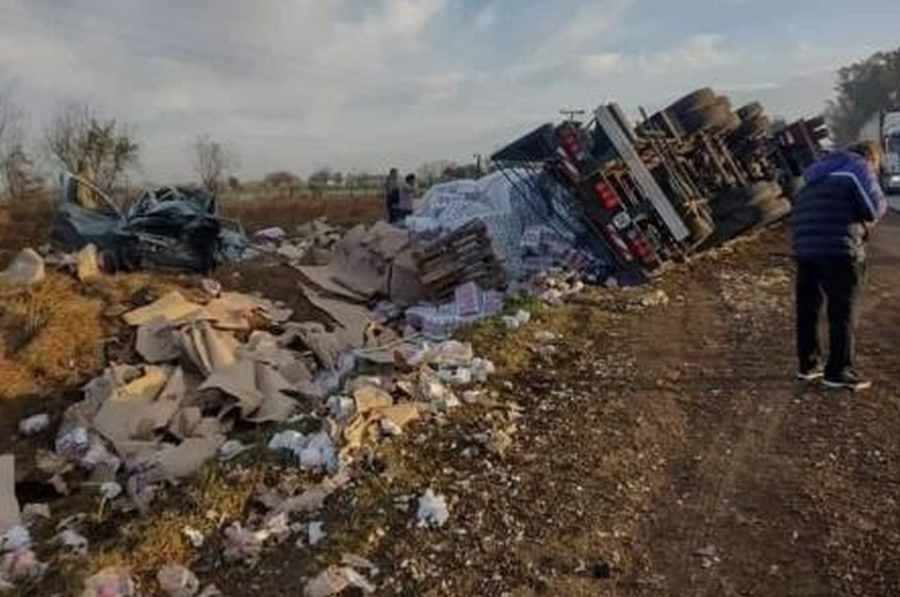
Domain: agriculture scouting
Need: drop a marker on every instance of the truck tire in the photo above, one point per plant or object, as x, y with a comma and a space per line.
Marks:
692, 101
711, 116
732, 124
750, 111
755, 127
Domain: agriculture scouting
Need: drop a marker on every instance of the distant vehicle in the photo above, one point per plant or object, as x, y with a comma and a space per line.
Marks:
884, 128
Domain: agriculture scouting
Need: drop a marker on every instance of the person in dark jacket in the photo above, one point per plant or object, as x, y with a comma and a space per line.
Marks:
832, 218
392, 194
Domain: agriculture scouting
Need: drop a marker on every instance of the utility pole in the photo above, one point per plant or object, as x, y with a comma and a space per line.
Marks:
571, 114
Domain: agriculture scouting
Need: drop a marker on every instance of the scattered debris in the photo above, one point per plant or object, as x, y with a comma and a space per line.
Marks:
514, 322
334, 580
32, 512
75, 542
177, 581
433, 510
110, 582
26, 269
34, 424
232, 449
196, 538
315, 532
708, 555
313, 451
10, 517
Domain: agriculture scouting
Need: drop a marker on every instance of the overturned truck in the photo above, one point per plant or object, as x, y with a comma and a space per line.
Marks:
692, 176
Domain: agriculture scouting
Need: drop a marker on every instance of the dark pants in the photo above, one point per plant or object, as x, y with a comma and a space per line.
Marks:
837, 281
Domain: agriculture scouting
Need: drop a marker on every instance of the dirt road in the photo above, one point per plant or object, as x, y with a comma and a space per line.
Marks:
663, 450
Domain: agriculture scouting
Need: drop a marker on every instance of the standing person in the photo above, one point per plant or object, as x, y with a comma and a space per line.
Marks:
392, 194
833, 216
407, 195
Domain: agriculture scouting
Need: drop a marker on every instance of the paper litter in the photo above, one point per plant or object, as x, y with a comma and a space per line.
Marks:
177, 581
433, 511
34, 424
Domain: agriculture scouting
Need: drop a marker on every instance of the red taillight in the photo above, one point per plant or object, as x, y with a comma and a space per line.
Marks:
606, 196
640, 248
570, 142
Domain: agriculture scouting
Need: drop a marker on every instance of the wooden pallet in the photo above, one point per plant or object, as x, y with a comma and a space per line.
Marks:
465, 255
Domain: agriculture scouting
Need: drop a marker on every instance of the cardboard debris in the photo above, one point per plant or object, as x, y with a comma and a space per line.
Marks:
185, 459
401, 414
370, 398
327, 346
138, 409
157, 342
238, 381
173, 308
276, 406
88, 264
335, 580
9, 505
352, 319
209, 349
27, 268
323, 276
404, 286
313, 499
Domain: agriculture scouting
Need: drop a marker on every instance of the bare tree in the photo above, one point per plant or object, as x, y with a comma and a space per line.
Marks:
16, 167
102, 151
211, 162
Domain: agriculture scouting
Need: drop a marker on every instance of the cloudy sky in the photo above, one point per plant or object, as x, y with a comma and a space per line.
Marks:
363, 84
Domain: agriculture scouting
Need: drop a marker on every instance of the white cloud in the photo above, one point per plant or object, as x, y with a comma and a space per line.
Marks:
563, 46
295, 84
599, 65
698, 52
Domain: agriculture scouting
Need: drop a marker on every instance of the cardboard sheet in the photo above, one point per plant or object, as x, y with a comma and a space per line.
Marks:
370, 398
239, 382
208, 348
88, 265
26, 268
173, 307
352, 319
185, 459
10, 514
276, 407
157, 342
323, 276
136, 411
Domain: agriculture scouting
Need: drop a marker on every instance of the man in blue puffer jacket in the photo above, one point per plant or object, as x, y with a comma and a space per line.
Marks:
832, 218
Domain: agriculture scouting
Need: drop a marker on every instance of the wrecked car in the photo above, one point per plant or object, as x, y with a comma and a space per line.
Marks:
165, 228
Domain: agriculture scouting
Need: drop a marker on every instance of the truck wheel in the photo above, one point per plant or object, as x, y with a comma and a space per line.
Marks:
692, 101
707, 117
750, 111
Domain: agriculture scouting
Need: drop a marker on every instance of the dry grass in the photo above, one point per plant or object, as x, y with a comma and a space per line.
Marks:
54, 334
290, 212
